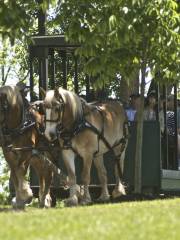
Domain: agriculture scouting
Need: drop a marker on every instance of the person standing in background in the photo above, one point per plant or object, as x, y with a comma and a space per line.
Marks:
150, 107
133, 106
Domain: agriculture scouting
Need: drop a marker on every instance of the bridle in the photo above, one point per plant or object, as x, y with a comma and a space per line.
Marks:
59, 108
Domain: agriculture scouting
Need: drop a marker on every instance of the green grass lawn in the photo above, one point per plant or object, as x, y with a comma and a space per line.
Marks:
145, 220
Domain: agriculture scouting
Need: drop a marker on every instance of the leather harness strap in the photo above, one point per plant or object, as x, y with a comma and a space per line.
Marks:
67, 136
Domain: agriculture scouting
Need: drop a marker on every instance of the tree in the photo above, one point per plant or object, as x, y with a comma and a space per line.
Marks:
124, 36
17, 17
18, 22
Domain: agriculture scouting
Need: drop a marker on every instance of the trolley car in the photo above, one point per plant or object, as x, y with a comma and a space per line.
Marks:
156, 174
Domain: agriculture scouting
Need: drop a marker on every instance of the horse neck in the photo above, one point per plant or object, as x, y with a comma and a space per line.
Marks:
14, 117
68, 119
72, 116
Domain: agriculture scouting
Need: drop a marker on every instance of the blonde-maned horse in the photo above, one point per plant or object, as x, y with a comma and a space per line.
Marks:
16, 141
90, 131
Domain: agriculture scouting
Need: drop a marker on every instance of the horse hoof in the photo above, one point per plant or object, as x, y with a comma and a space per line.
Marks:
46, 203
71, 202
28, 201
17, 205
103, 199
118, 192
85, 202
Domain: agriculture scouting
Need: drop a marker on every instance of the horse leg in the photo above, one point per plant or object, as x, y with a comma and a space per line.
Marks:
18, 172
102, 175
68, 157
85, 177
119, 189
45, 200
45, 178
23, 192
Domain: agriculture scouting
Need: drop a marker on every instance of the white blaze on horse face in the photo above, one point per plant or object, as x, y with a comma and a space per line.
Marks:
50, 130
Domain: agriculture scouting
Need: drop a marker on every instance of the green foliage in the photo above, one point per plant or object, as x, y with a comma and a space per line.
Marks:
17, 17
116, 36
18, 22
13, 61
131, 220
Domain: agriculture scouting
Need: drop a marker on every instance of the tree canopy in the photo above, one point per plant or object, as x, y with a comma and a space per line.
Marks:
115, 36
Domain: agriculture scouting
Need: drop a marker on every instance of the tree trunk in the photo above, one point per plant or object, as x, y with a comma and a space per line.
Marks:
139, 135
134, 84
124, 90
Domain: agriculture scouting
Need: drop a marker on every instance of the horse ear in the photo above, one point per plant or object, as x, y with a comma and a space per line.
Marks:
56, 93
42, 92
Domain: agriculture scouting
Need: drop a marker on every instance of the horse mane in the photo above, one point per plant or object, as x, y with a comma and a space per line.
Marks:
15, 105
13, 95
74, 103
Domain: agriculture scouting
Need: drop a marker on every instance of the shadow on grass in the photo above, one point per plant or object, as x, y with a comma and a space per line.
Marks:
9, 209
143, 197
137, 197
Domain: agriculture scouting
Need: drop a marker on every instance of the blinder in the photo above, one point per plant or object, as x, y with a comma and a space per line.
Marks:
57, 107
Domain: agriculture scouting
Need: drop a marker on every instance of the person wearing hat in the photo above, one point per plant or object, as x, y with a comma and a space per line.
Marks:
150, 107
133, 106
170, 118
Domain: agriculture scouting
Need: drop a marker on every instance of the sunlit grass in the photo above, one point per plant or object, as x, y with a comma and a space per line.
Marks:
158, 219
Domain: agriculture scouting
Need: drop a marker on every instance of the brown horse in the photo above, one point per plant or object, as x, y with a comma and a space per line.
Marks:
88, 130
17, 139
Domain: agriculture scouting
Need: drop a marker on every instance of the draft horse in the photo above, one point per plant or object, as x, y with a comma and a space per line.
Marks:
87, 130
18, 137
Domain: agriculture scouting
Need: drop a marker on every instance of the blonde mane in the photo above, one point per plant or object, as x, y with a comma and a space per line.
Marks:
74, 103
15, 104
13, 95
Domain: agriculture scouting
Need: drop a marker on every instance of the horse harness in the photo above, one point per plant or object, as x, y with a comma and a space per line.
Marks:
7, 135
81, 125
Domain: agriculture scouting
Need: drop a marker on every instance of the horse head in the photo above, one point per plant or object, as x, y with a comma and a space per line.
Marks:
38, 112
11, 107
63, 110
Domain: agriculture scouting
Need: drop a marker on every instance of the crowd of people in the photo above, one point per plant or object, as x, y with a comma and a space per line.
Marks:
153, 113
